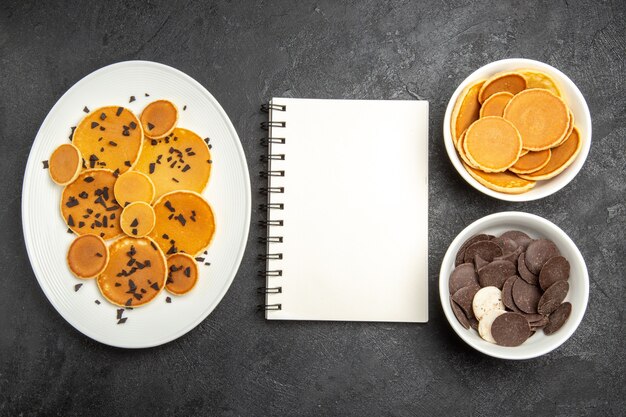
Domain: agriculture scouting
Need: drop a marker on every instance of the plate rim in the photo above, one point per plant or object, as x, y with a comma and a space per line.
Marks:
25, 197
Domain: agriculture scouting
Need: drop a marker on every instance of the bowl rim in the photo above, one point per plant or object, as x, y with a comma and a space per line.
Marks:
570, 173
468, 337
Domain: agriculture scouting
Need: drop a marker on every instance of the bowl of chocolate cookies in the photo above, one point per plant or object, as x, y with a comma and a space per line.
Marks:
513, 285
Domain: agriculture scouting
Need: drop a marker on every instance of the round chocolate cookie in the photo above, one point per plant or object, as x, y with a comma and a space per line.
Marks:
553, 297
555, 269
538, 253
495, 273
557, 319
526, 275
486, 249
460, 255
510, 329
526, 296
462, 276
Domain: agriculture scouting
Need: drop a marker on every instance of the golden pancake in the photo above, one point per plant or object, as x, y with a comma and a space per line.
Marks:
182, 273
511, 82
180, 161
562, 157
87, 256
461, 151
466, 110
184, 223
88, 206
135, 274
531, 162
569, 129
524, 152
65, 164
503, 182
109, 137
133, 186
159, 118
495, 104
538, 79
137, 219
541, 118
492, 143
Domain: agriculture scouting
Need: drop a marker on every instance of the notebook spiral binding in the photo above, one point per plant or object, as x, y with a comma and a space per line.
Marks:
270, 141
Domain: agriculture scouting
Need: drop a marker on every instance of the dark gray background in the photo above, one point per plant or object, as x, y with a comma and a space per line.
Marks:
236, 363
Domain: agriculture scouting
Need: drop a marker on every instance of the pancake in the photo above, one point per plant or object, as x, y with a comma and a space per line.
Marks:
523, 152
180, 161
159, 118
562, 157
538, 79
184, 223
541, 118
137, 219
461, 151
531, 162
87, 256
466, 110
569, 129
492, 143
109, 137
511, 82
65, 164
495, 104
88, 206
503, 182
133, 186
182, 273
135, 274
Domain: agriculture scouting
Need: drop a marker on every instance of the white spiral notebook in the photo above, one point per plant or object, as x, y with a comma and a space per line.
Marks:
347, 210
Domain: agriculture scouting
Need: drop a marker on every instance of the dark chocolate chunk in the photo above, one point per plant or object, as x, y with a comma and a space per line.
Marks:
129, 302
86, 109
554, 270
459, 314
521, 238
120, 312
168, 206
71, 202
558, 318
181, 219
200, 259
553, 297
119, 111
135, 223
134, 232
526, 296
460, 255
152, 166
45, 164
538, 253
495, 274
507, 293
526, 275
464, 298
70, 221
150, 126
88, 179
187, 272
184, 107
168, 300
94, 125
186, 168
486, 249
72, 133
127, 163
132, 125
175, 180
97, 302
132, 98
510, 329
77, 287
122, 321
462, 276
155, 286
103, 116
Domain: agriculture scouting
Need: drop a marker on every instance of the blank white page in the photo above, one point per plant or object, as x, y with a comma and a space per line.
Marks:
355, 217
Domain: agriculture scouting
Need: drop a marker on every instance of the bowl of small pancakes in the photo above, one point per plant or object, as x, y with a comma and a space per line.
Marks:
517, 129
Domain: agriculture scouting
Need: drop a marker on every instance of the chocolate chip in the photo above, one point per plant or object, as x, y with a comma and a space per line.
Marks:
553, 297
103, 116
122, 321
462, 276
168, 300
45, 164
538, 253
526, 296
94, 125
77, 287
132, 98
510, 329
554, 270
558, 318
119, 111
152, 166
150, 126
86, 109
495, 274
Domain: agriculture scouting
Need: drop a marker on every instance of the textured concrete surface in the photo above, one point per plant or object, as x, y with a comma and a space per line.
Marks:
236, 363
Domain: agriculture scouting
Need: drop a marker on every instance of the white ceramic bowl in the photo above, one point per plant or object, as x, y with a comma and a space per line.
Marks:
572, 96
536, 227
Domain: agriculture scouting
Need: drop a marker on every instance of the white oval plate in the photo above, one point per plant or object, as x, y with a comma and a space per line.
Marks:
228, 192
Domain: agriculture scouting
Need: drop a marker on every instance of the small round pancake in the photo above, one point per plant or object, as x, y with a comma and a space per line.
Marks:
494, 105
88, 206
510, 329
466, 110
511, 82
184, 223
180, 161
138, 219
65, 164
182, 273
484, 325
561, 157
486, 300
503, 182
532, 162
109, 137
133, 186
538, 79
569, 129
159, 118
87, 256
492, 143
461, 151
541, 118
135, 274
